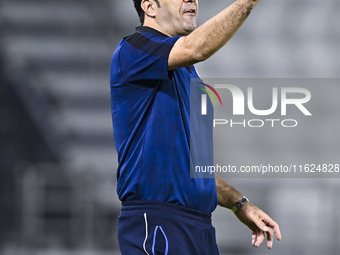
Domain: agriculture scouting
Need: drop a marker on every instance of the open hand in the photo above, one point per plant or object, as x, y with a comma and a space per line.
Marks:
259, 223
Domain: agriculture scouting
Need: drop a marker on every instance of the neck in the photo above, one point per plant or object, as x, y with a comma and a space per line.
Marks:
151, 23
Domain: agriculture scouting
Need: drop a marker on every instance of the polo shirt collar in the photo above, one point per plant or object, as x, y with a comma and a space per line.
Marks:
149, 30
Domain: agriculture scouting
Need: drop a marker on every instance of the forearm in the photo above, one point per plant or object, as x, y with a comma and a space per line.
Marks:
204, 41
216, 32
227, 195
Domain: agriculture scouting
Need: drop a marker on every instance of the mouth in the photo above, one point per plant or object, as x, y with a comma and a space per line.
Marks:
191, 11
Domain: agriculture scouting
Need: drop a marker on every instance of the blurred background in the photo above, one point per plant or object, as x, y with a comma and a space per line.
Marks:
57, 155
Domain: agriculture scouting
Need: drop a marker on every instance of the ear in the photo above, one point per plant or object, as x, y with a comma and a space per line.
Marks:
148, 7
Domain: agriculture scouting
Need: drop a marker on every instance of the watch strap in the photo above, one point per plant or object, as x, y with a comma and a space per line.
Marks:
239, 204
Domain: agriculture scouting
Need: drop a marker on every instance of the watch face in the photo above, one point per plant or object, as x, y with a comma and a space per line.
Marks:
242, 202
239, 204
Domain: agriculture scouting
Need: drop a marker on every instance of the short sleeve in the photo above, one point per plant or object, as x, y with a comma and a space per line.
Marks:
144, 58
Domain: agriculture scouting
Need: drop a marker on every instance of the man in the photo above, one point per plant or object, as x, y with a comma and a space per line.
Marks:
158, 133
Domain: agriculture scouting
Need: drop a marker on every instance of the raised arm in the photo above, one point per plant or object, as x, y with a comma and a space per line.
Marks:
204, 41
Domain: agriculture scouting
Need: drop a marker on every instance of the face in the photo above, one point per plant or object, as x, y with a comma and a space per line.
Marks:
177, 17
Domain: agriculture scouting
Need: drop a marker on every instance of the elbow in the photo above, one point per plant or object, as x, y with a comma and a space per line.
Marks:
199, 56
192, 50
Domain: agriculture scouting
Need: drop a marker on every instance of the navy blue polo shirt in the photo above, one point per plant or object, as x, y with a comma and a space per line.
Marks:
154, 116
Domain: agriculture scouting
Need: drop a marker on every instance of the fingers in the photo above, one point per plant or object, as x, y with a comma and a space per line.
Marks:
257, 238
260, 224
268, 227
270, 238
259, 235
277, 231
274, 226
253, 238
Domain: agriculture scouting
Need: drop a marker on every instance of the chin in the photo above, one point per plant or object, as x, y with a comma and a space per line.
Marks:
189, 29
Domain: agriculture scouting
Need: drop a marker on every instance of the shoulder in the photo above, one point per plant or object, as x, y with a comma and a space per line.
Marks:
149, 41
136, 40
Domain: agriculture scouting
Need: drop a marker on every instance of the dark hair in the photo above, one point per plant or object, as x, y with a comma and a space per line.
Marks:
140, 11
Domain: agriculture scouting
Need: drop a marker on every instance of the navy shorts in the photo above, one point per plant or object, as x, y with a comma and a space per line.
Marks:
155, 228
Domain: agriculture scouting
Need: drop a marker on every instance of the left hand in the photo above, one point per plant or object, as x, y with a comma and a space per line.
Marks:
259, 223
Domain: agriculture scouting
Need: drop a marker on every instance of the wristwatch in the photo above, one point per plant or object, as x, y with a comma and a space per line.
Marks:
239, 204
